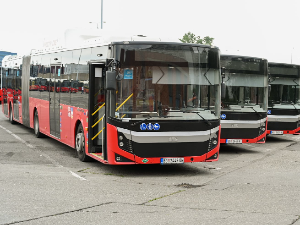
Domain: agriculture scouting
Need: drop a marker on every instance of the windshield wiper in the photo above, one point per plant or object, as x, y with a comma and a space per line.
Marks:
255, 111
141, 121
205, 120
294, 106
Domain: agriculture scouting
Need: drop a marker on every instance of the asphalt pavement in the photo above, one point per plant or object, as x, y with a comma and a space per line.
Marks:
42, 182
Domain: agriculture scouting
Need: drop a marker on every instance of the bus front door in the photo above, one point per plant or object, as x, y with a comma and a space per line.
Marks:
97, 108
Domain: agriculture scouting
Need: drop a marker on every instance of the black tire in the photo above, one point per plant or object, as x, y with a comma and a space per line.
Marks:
36, 126
80, 145
11, 116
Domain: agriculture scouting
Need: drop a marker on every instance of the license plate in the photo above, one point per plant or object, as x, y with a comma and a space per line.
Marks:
276, 132
171, 160
234, 141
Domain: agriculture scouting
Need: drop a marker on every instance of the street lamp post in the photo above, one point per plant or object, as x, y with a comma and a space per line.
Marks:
101, 15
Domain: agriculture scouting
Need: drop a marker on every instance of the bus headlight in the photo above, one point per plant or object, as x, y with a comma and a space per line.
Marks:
124, 143
213, 142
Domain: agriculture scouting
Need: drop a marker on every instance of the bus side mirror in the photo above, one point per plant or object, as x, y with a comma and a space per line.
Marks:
269, 90
111, 80
223, 90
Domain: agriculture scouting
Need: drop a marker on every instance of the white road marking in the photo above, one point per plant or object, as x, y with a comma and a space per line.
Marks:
53, 161
76, 175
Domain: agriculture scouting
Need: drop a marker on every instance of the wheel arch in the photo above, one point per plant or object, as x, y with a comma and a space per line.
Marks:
33, 114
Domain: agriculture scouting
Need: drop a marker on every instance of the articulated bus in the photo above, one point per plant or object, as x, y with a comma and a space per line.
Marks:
284, 108
244, 99
144, 102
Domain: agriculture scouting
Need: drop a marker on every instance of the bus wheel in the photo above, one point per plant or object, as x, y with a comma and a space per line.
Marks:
80, 145
36, 126
11, 117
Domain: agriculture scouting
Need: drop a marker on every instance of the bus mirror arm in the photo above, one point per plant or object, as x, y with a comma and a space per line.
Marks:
223, 72
223, 85
223, 90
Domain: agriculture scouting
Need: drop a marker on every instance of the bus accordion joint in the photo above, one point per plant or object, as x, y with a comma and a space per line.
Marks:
124, 102
98, 109
98, 133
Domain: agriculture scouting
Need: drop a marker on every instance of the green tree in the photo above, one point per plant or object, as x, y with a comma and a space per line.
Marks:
189, 37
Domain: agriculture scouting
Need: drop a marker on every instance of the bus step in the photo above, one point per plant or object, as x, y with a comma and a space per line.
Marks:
98, 155
96, 149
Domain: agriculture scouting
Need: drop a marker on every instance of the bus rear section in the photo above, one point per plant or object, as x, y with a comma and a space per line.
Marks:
244, 99
163, 107
284, 108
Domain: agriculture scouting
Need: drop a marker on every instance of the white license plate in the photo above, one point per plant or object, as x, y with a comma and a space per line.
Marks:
171, 160
234, 141
276, 132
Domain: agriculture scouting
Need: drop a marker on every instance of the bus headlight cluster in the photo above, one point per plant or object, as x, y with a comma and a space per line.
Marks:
124, 143
262, 129
213, 141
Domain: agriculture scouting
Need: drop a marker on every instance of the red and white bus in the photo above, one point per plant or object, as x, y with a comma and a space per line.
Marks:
144, 102
284, 99
244, 99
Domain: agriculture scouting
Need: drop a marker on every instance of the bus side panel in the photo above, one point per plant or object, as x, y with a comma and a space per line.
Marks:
67, 134
25, 90
69, 117
44, 116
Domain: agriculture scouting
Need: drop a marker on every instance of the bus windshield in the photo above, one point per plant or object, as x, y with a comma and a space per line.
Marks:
43, 82
246, 82
177, 82
284, 81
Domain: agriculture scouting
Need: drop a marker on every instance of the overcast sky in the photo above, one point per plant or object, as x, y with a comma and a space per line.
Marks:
259, 28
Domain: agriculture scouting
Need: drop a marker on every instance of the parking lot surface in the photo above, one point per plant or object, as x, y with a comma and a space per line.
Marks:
42, 182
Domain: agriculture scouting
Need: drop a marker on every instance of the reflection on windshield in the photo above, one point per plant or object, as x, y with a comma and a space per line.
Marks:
243, 97
285, 94
166, 92
284, 81
245, 84
168, 81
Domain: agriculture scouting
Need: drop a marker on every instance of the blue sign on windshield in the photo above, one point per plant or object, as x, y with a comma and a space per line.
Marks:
128, 74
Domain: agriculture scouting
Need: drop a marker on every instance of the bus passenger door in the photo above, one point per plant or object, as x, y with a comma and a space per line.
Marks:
54, 101
97, 109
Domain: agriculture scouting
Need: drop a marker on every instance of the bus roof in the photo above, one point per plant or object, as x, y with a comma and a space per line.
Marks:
84, 38
241, 56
